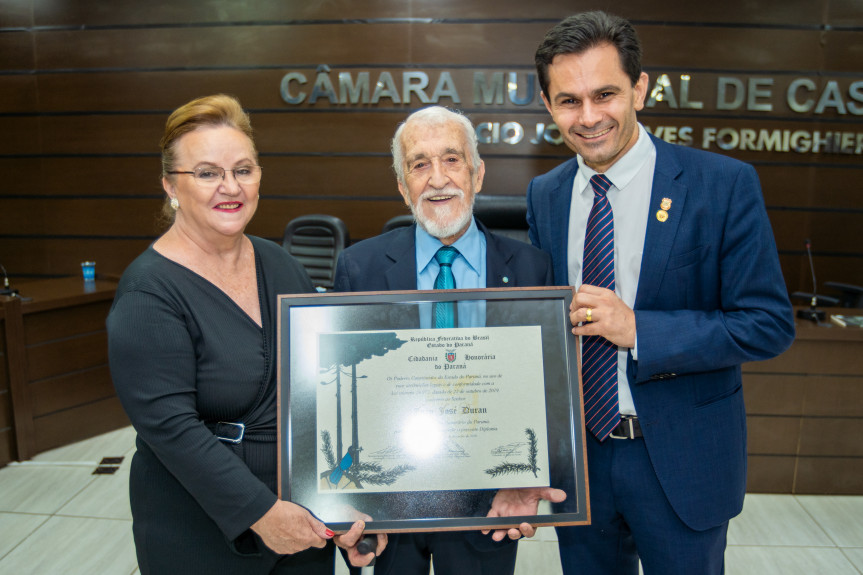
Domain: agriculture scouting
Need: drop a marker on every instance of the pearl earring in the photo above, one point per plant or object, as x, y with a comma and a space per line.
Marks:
175, 204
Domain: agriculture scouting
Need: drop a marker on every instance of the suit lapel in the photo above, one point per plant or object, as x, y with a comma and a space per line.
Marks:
559, 200
659, 238
402, 274
497, 258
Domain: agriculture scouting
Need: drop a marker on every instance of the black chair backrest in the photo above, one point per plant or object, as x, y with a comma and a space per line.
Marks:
397, 222
823, 300
850, 295
504, 215
316, 240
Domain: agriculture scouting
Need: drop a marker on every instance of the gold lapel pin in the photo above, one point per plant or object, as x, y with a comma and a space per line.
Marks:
664, 205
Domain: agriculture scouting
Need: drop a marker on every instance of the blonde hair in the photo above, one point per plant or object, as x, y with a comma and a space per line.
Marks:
216, 110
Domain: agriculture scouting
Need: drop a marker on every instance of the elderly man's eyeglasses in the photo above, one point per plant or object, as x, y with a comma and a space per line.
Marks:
212, 176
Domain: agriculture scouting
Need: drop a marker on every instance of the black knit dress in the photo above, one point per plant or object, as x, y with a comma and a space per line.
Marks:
184, 356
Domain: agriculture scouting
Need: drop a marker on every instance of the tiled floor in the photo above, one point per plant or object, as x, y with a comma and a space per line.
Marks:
56, 517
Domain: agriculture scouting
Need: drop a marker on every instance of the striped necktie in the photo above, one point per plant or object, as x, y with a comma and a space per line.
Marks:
599, 373
444, 311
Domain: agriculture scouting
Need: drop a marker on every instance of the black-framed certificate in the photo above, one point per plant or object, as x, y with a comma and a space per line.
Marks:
384, 416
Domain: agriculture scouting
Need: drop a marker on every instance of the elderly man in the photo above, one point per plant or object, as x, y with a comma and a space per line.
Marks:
439, 172
678, 284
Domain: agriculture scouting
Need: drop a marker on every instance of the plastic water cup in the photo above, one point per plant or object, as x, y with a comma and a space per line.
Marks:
89, 270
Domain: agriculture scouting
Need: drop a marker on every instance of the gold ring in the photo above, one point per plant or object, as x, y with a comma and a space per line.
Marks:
587, 315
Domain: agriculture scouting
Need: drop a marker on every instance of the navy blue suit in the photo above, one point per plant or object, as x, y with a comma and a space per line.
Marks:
710, 297
386, 263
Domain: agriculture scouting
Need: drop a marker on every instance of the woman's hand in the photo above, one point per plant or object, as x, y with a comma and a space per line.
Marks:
288, 528
348, 541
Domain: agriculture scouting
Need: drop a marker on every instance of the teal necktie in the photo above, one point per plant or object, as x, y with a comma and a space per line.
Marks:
444, 311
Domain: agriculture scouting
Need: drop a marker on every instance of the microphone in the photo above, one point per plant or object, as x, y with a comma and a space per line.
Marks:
6, 290
813, 313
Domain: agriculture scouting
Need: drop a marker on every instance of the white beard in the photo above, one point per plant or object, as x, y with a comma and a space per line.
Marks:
445, 224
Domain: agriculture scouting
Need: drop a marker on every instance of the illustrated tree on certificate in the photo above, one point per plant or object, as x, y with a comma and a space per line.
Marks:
531, 466
339, 355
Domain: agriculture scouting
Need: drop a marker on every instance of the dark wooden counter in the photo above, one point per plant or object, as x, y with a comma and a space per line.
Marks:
805, 412
55, 387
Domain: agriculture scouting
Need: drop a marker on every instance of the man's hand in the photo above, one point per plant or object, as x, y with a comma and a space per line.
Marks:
523, 501
601, 312
288, 528
349, 541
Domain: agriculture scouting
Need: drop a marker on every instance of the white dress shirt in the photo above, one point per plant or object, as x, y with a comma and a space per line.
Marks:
632, 180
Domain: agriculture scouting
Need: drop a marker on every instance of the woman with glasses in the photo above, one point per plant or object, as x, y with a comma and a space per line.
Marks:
193, 357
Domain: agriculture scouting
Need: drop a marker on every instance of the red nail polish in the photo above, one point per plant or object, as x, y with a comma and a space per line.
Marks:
330, 533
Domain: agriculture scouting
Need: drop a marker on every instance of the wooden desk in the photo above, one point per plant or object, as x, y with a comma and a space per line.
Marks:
805, 413
55, 387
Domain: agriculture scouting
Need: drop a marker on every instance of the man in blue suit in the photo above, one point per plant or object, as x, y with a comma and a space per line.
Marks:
691, 289
439, 172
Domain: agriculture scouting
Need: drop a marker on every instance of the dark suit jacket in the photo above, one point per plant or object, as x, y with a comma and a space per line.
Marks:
388, 263
710, 297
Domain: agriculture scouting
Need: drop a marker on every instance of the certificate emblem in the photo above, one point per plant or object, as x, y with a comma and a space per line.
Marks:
450, 355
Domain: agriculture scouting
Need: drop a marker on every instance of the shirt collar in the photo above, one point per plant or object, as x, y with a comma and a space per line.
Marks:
624, 170
469, 246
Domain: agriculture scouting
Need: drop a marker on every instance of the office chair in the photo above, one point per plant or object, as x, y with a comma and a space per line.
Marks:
823, 300
397, 222
316, 240
850, 295
504, 215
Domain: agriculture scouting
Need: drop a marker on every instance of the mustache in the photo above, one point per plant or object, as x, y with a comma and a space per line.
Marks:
447, 191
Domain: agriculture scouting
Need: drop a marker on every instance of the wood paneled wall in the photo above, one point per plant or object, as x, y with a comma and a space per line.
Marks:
85, 88
803, 408
7, 432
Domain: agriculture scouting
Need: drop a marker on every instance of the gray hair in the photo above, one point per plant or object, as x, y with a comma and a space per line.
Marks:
434, 116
